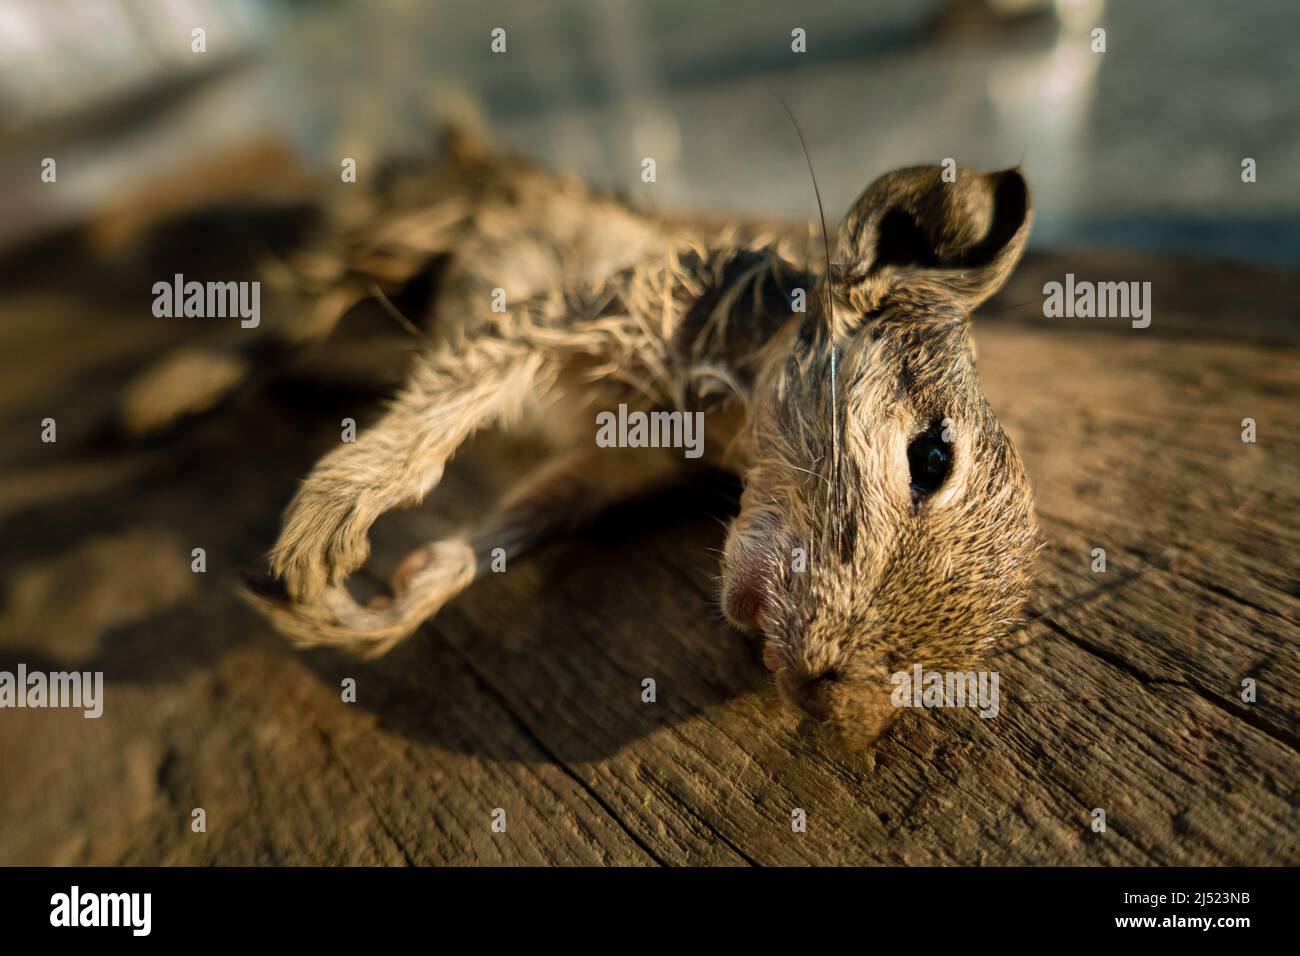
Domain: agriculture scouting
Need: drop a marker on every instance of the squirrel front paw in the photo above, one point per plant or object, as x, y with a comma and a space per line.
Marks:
325, 538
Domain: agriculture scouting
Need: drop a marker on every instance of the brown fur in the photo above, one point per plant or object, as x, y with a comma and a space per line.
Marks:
608, 306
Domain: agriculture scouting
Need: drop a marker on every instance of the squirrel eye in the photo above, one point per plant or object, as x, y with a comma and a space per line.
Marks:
929, 457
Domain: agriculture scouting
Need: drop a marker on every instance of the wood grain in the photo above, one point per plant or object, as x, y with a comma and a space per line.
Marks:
1123, 692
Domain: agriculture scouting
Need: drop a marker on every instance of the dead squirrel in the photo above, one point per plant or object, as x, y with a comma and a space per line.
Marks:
857, 425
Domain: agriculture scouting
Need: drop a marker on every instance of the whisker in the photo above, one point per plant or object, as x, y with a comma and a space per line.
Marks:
394, 313
828, 317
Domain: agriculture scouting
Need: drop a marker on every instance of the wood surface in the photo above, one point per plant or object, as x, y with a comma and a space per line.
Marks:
1123, 692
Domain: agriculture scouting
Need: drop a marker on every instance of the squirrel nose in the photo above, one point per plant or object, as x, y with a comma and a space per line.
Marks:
810, 696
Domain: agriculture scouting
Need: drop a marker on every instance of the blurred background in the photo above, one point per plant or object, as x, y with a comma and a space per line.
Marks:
1140, 146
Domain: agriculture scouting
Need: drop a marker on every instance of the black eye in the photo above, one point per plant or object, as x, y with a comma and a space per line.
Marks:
929, 457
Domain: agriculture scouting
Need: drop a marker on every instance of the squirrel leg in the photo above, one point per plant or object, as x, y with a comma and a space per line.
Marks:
562, 495
395, 462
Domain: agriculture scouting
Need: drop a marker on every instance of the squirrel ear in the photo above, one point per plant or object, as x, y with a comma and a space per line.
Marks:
965, 235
